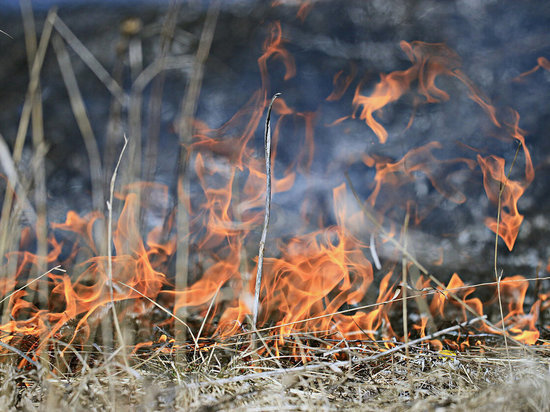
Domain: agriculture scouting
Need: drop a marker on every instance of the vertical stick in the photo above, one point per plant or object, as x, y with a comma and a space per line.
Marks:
404, 288
189, 107
157, 89
26, 112
497, 276
109, 249
82, 120
267, 149
38, 164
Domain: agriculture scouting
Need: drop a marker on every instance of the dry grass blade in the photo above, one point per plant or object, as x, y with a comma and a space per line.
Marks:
79, 111
8, 168
497, 276
185, 130
40, 148
157, 89
354, 361
109, 248
267, 148
32, 89
58, 267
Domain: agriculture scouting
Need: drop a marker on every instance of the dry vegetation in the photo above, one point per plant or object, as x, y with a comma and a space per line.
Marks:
218, 379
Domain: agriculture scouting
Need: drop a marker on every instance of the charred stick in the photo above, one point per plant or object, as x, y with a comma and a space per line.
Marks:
267, 149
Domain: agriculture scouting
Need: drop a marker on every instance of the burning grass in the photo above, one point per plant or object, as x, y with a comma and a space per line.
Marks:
226, 377
154, 304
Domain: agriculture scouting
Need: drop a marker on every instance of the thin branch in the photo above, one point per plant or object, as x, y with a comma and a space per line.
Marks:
204, 320
164, 310
82, 120
20, 353
185, 131
404, 288
3, 32
267, 147
424, 292
109, 245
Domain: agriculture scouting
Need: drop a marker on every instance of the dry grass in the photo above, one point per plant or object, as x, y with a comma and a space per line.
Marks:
219, 379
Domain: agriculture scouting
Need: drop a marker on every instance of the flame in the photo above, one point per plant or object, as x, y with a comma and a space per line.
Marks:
506, 192
341, 84
429, 61
320, 281
542, 62
417, 160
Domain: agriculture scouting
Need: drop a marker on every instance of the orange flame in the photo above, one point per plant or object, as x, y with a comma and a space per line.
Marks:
504, 191
542, 62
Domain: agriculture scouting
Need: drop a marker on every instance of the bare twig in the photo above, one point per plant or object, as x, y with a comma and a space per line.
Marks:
109, 245
374, 254
79, 112
20, 353
185, 129
424, 292
403, 287
267, 147
204, 320
164, 310
6, 34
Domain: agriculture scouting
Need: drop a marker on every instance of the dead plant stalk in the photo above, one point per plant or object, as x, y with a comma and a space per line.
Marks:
109, 248
267, 150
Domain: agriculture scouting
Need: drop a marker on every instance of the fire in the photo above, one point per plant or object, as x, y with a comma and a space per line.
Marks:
542, 62
508, 191
320, 282
428, 62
